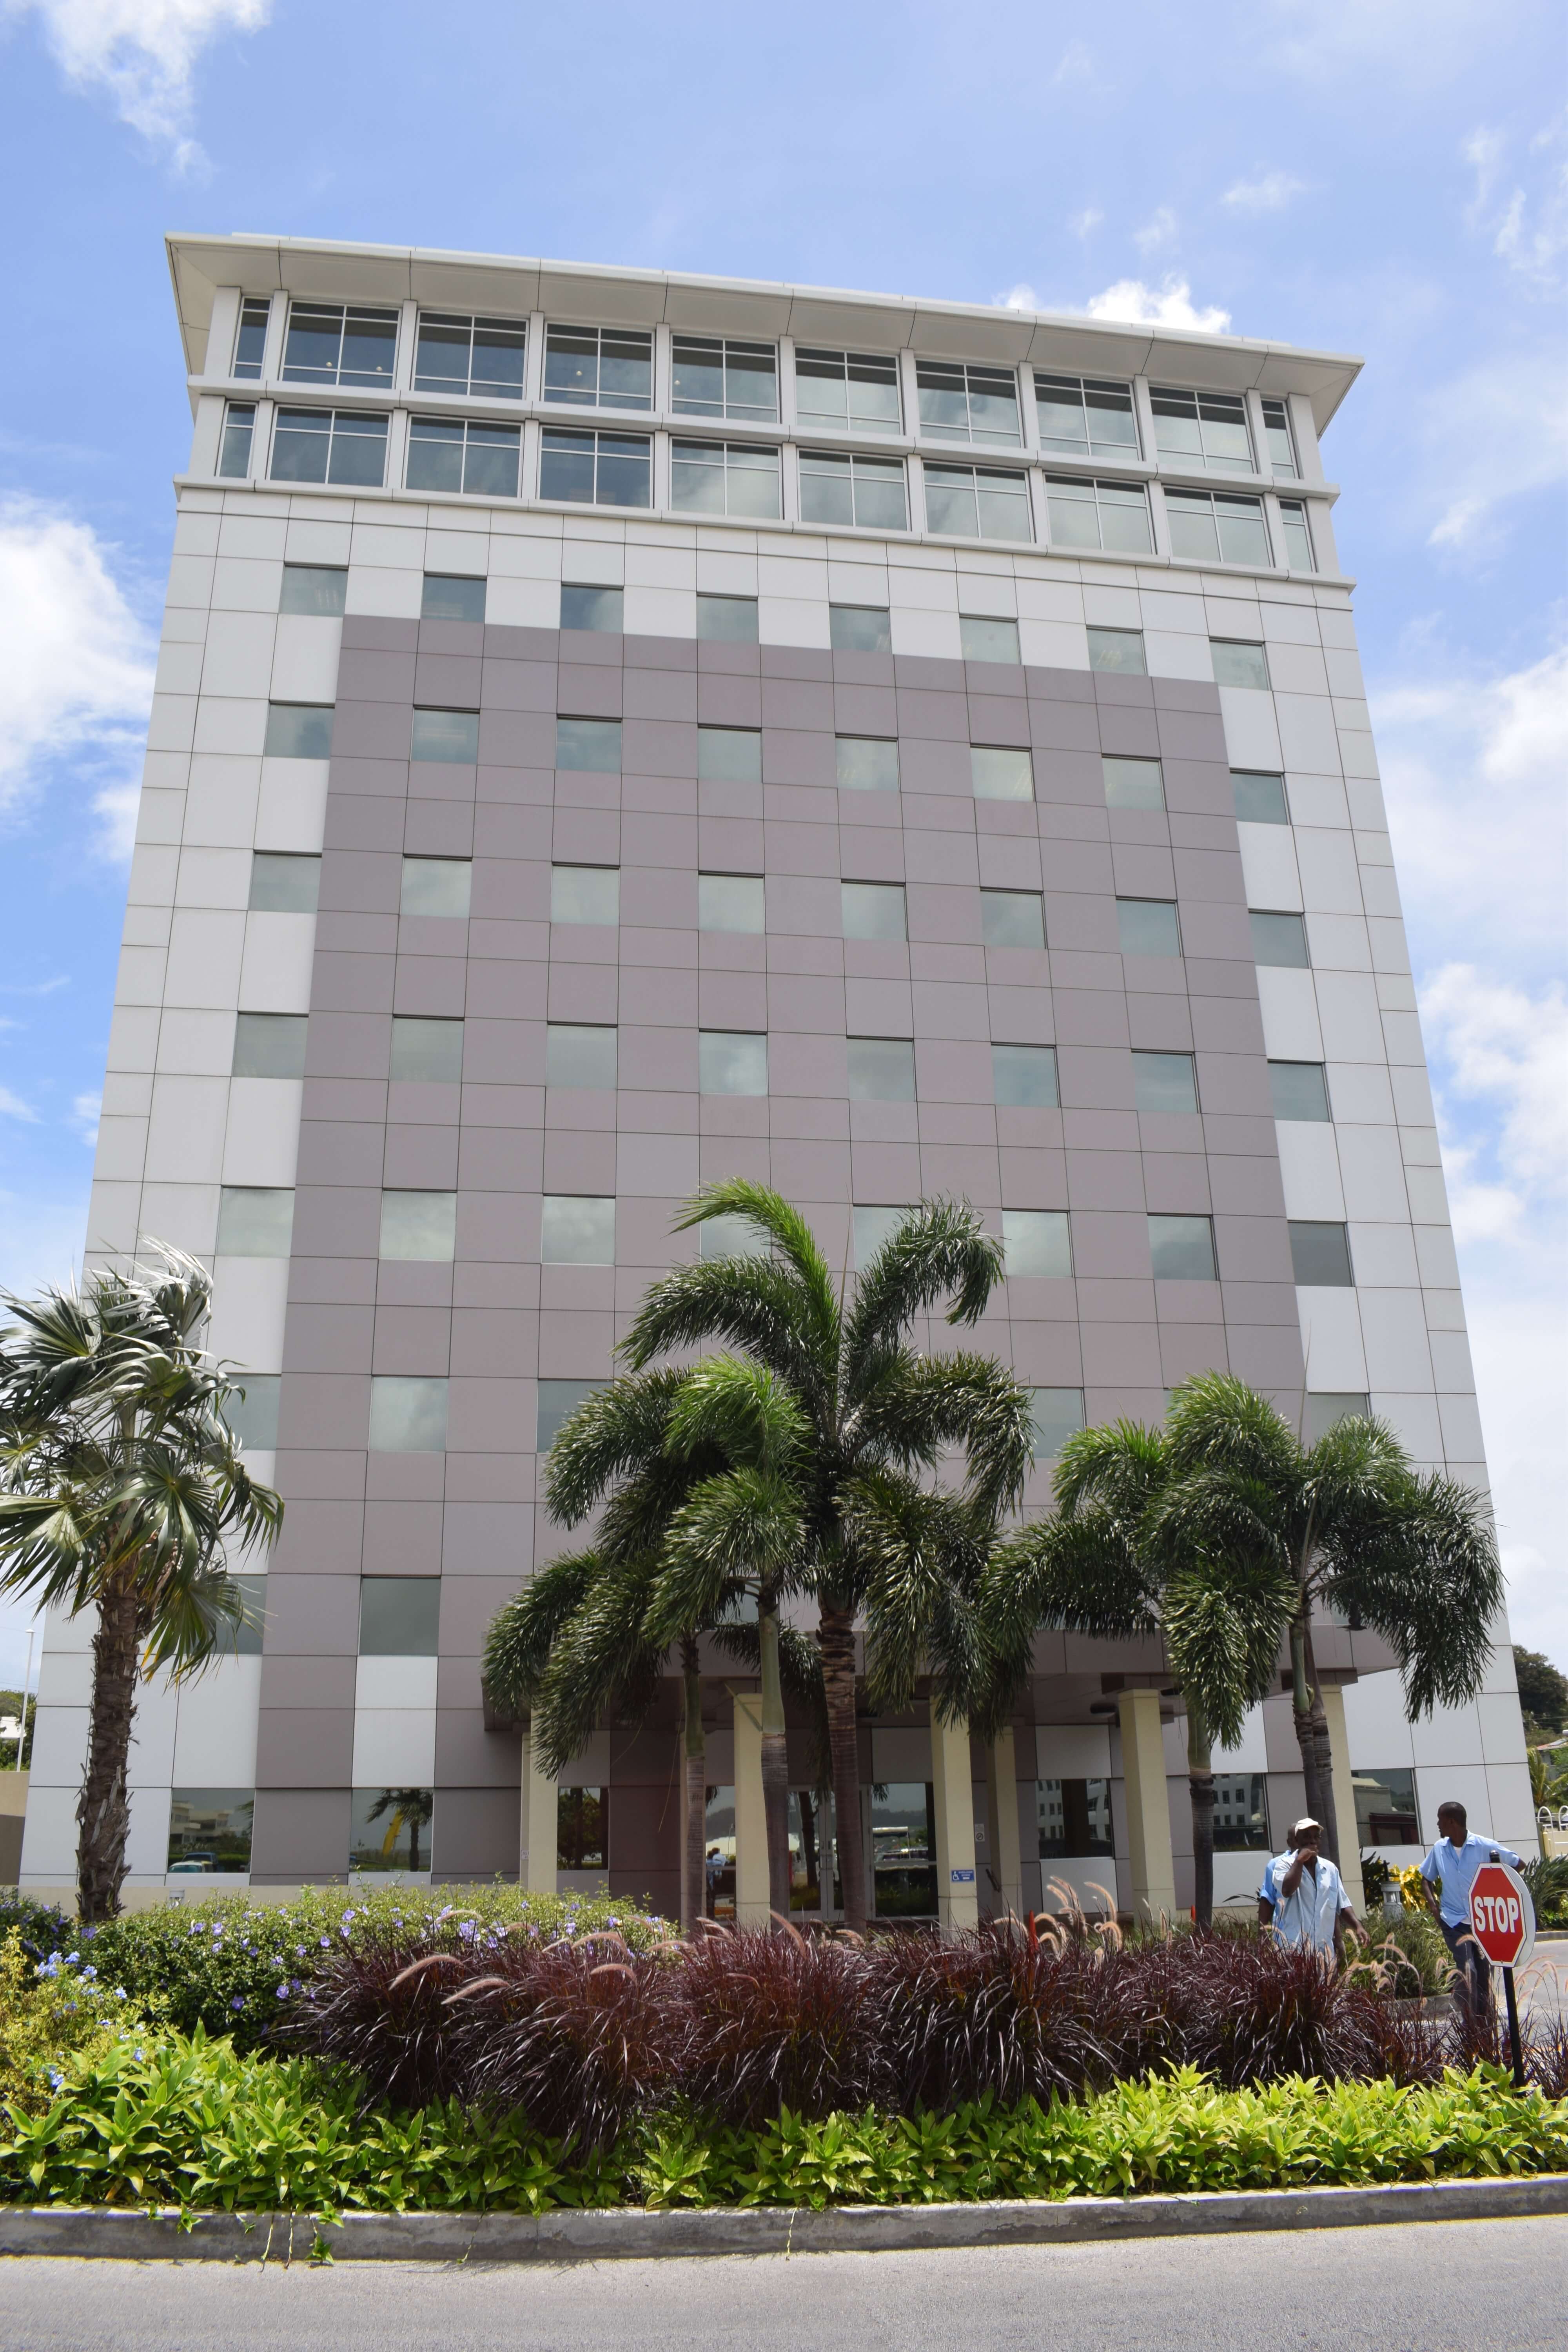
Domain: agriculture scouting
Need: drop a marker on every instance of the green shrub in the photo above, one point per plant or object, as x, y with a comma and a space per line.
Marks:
43, 1928
1407, 1952
48, 2014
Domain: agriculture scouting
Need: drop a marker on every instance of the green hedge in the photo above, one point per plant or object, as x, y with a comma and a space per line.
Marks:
177, 2120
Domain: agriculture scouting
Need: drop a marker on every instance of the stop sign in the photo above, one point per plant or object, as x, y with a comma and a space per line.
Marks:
1502, 1915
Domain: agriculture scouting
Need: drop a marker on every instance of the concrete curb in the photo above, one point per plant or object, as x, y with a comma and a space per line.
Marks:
626, 2234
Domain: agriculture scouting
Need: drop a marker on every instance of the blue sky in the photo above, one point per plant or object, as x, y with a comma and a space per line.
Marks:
1388, 177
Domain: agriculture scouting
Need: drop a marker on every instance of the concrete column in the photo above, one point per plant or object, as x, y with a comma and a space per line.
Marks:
1344, 1796
1148, 1812
957, 1896
536, 1861
752, 1906
1002, 1823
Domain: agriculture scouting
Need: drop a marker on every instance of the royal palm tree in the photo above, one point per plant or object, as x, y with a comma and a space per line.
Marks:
121, 1487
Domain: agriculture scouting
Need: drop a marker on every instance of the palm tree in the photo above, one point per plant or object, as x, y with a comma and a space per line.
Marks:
875, 1414
411, 1808
122, 1486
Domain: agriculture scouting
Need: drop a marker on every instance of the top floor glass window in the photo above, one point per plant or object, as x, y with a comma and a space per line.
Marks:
1087, 418
250, 342
1278, 434
717, 377
598, 367
847, 389
968, 403
1202, 429
481, 356
331, 342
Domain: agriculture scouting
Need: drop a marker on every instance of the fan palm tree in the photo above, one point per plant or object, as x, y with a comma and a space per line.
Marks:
411, 1810
122, 1486
873, 1416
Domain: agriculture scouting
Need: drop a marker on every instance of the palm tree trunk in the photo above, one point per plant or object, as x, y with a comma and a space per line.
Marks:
836, 1640
1200, 1782
1323, 1754
694, 1767
1302, 1697
775, 1761
103, 1809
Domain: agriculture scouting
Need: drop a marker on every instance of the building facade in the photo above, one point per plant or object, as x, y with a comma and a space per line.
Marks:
617, 730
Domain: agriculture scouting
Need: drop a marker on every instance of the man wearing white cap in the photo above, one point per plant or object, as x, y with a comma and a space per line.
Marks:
1302, 1897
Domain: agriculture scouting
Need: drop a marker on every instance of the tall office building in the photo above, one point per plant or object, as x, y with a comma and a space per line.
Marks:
617, 730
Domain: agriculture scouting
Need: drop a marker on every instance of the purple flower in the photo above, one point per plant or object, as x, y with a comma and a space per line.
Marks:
282, 1992
236, 2003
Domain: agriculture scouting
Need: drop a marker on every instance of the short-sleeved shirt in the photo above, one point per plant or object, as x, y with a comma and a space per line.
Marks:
1451, 1870
1311, 1914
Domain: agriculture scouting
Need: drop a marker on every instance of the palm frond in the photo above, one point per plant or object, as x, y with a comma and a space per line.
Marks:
523, 1631
1215, 1421
940, 1250
758, 1305
741, 1410
613, 1431
1223, 1624
1425, 1574
792, 1238
1122, 1465
924, 1405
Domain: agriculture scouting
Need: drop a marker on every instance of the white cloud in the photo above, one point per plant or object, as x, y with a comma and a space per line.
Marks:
86, 1112
1497, 434
1169, 306
1021, 296
1500, 1051
1074, 65
143, 52
1158, 230
1528, 226
1271, 193
78, 660
1083, 224
12, 1106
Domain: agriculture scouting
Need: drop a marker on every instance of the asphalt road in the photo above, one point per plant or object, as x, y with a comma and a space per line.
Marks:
1458, 2287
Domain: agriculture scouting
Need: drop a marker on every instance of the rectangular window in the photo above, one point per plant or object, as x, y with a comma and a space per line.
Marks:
593, 745
1119, 652
437, 886
269, 1045
447, 453
601, 612
582, 1828
1001, 771
451, 597
1024, 1077
1038, 1245
255, 1220
986, 640
1218, 527
1260, 797
253, 1415
209, 1831
420, 1227
399, 1616
903, 1850
1236, 663
722, 1238
1012, 918
731, 1062
976, 502
299, 730
426, 1051
580, 1055
729, 755
873, 910
332, 343
1300, 1091
1297, 534
250, 342
967, 404
1148, 927
725, 477
1165, 1082
318, 589
577, 1229
1279, 438
1073, 1818
1279, 939
860, 629
867, 764
319, 445
854, 390
1241, 1813
1202, 429
1109, 515
284, 883
1054, 1415
597, 469
599, 367
1132, 783
1182, 1249
1321, 1254
408, 1416
714, 376
586, 894
483, 357
1385, 1810
1084, 419
1326, 1408
868, 492
726, 620
239, 426
873, 1229
449, 736
558, 1401
731, 902
881, 1069
389, 1830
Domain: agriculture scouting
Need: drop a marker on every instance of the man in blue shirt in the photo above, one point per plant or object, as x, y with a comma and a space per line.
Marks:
1447, 1874
1302, 1897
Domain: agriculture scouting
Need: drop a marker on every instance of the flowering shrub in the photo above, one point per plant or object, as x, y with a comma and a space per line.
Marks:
50, 2012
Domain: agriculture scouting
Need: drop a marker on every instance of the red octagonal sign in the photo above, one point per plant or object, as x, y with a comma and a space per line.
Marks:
1502, 1916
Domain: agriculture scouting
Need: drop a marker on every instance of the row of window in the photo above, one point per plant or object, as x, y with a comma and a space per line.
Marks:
334, 345
462, 458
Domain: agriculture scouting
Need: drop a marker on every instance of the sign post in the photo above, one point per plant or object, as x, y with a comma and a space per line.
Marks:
1503, 1921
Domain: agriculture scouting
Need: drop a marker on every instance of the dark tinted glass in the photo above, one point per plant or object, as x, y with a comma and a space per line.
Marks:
450, 596
1320, 1255
1299, 1090
859, 629
398, 1616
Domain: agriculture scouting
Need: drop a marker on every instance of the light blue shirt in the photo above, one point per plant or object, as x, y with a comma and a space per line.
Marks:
1311, 1914
1451, 1870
